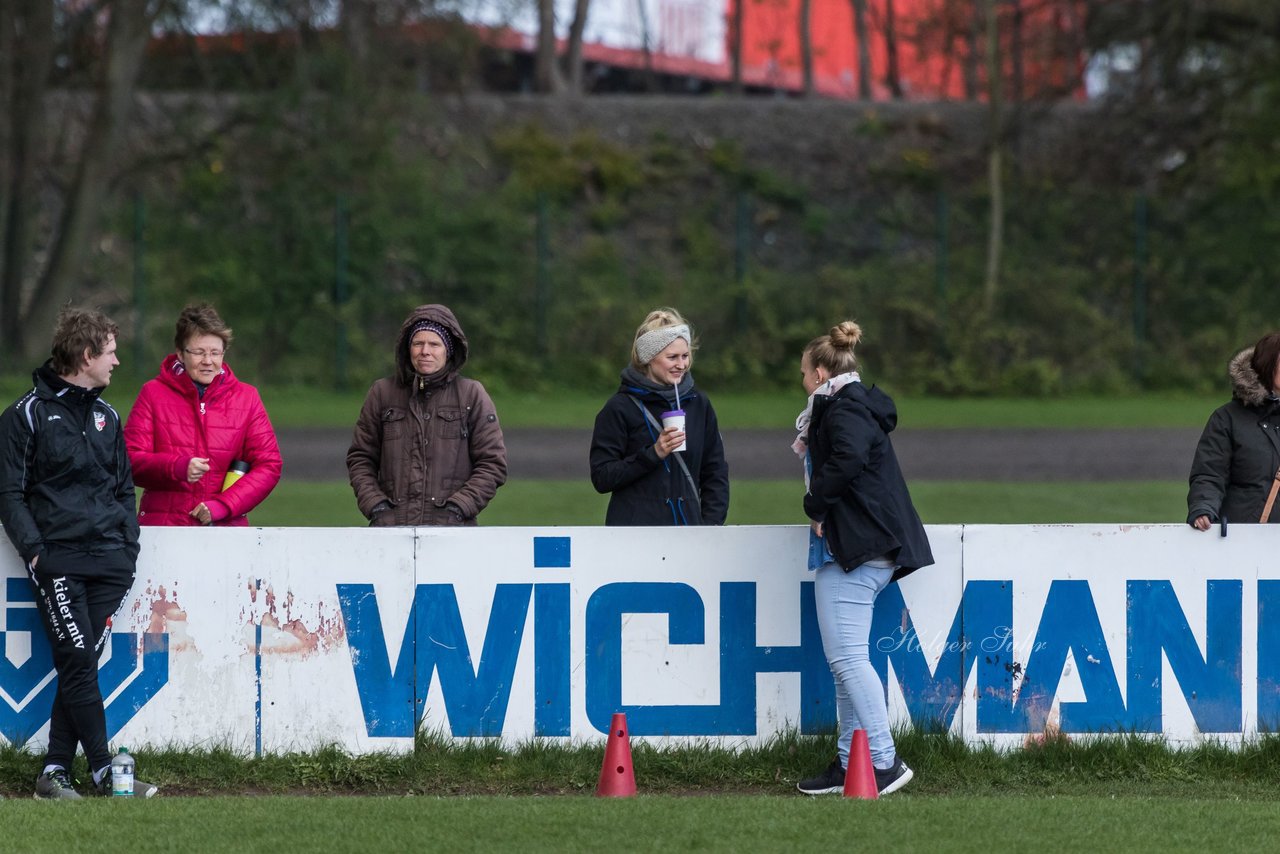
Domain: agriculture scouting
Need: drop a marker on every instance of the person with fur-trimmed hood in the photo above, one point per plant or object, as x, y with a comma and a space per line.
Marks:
1237, 463
427, 448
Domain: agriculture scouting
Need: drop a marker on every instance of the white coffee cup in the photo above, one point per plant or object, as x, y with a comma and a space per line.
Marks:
675, 418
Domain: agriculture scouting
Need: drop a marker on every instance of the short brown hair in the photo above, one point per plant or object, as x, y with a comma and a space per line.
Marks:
197, 320
1265, 355
77, 330
834, 351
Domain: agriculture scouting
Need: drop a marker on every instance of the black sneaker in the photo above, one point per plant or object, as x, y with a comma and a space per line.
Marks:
56, 786
829, 782
893, 778
140, 789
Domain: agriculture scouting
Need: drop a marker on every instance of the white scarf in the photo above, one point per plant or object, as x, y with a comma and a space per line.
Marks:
831, 386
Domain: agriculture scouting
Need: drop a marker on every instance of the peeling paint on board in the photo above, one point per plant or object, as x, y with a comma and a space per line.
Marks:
285, 627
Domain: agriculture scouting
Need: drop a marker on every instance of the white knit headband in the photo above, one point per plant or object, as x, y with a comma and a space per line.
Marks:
655, 341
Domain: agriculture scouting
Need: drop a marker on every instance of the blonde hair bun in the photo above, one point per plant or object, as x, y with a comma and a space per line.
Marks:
845, 335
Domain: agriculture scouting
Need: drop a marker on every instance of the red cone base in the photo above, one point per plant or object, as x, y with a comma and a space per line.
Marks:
860, 776
617, 777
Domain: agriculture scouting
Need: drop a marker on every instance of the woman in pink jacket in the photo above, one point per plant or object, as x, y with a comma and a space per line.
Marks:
191, 425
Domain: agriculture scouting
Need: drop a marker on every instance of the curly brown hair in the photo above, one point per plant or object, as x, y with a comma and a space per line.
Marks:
78, 330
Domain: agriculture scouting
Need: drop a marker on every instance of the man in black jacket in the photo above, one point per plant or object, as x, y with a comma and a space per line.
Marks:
67, 505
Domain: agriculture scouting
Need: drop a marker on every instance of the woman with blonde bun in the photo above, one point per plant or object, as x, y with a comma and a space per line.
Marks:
659, 474
864, 533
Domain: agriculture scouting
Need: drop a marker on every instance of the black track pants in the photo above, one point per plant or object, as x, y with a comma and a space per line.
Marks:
76, 594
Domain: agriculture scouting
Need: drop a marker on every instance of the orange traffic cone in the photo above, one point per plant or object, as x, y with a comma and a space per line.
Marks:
617, 777
860, 776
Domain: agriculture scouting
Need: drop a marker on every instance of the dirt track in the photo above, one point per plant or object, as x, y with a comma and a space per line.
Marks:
998, 455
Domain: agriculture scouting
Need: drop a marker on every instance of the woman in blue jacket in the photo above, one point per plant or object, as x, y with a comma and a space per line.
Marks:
864, 534
651, 479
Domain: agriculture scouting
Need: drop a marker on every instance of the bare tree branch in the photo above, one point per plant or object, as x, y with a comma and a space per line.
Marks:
127, 31
863, 39
573, 53
32, 28
546, 75
995, 159
735, 44
892, 74
806, 46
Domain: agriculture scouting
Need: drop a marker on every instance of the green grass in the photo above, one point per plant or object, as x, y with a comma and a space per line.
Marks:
773, 502
1113, 794
947, 502
294, 503
296, 406
1086, 765
649, 823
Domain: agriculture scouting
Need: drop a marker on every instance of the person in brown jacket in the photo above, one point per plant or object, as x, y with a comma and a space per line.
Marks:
427, 448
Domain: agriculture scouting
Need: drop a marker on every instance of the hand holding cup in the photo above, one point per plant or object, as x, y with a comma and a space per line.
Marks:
675, 418
669, 440
673, 435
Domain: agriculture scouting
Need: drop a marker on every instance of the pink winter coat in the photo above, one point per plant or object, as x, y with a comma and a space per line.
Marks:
170, 423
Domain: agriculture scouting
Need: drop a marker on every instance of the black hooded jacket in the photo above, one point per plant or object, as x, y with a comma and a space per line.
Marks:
857, 490
644, 489
64, 474
1238, 453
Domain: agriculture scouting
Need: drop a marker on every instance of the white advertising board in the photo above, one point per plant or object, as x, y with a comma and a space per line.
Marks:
289, 639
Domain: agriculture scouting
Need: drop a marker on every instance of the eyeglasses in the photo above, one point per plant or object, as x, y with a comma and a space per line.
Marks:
200, 354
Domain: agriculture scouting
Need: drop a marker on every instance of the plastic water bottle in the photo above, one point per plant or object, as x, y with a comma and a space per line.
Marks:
122, 774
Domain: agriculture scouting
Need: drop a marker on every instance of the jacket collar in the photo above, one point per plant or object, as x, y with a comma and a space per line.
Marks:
174, 375
639, 385
49, 386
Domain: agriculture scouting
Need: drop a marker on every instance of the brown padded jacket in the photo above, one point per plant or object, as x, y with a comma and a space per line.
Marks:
422, 444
